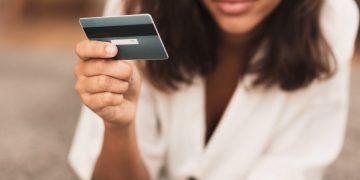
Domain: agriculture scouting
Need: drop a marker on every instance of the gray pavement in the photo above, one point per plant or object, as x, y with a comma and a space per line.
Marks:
38, 115
39, 110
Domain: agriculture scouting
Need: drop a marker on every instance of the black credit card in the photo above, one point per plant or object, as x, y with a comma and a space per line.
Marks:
135, 36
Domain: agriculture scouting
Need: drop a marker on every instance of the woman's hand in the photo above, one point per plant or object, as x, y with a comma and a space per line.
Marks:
109, 88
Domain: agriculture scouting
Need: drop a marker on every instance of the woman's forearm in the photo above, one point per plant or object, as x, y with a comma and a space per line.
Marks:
120, 158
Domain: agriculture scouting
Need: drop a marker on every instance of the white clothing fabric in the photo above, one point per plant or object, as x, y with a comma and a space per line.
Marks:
270, 135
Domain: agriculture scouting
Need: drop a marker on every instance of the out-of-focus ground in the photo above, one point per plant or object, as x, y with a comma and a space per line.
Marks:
39, 107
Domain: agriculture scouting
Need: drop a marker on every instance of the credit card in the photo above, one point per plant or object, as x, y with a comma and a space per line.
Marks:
135, 36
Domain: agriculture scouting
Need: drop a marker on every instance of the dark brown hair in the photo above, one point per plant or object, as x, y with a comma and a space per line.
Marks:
296, 52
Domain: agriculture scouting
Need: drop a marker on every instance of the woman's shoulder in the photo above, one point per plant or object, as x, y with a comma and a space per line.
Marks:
340, 21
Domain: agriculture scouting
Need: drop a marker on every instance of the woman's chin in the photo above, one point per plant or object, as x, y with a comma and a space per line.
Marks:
236, 27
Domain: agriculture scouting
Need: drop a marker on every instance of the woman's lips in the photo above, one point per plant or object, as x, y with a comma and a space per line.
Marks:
234, 7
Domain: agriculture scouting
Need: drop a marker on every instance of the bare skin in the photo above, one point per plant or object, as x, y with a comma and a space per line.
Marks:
220, 86
111, 89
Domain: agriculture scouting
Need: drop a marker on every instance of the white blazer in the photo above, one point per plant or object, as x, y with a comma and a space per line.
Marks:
270, 135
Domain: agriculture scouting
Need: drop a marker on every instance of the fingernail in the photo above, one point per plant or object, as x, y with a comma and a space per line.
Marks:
111, 50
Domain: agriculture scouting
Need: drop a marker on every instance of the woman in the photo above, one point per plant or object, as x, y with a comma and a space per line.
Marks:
254, 89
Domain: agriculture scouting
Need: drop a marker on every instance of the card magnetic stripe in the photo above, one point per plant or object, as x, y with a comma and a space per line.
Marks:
120, 31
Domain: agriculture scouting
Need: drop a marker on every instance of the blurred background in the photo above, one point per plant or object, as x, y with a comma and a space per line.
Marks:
39, 107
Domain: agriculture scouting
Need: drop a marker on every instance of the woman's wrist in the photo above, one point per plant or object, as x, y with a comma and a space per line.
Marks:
118, 129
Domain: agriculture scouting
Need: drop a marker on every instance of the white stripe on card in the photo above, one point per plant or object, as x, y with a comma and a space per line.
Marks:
125, 41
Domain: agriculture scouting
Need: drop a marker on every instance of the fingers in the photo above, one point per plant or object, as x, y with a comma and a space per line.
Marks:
101, 84
99, 101
109, 88
95, 49
117, 69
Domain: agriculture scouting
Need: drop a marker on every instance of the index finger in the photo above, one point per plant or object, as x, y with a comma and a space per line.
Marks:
95, 49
